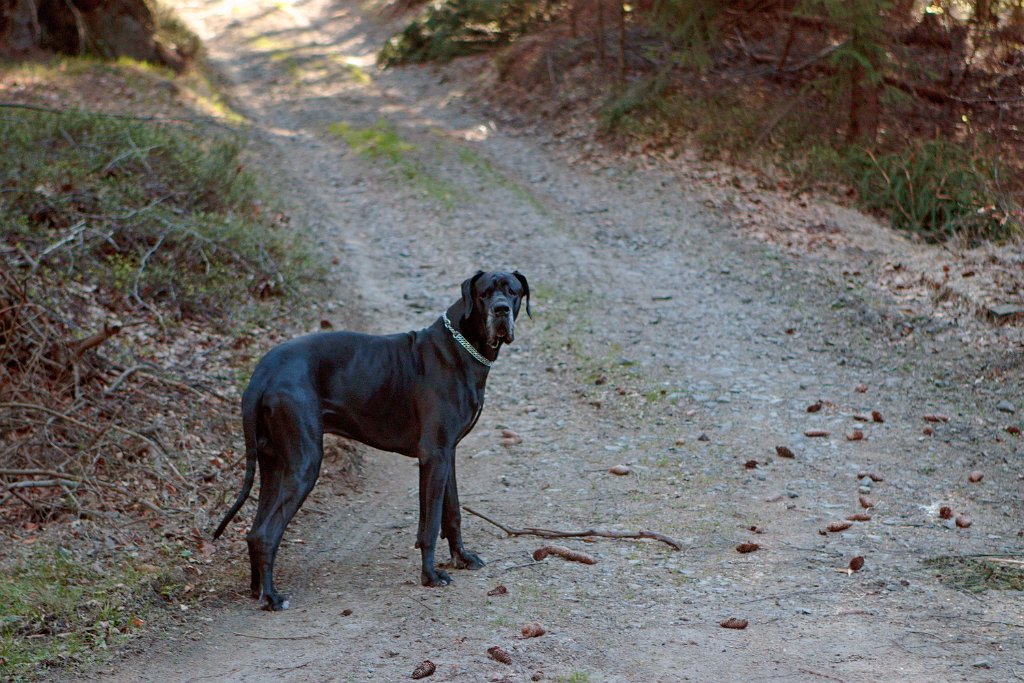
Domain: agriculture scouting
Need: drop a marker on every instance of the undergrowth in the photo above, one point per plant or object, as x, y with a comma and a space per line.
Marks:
935, 189
138, 255
149, 213
446, 29
59, 609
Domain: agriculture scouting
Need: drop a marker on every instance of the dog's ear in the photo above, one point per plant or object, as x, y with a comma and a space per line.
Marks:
467, 294
526, 290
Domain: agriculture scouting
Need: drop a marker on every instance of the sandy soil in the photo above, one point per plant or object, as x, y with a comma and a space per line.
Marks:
663, 338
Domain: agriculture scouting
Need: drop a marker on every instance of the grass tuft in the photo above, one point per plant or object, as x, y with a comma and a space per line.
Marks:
58, 610
978, 574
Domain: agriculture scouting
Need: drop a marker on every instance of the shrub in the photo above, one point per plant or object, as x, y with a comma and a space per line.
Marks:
452, 28
936, 189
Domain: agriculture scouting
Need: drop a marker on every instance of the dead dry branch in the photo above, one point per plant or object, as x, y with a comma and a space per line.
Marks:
555, 533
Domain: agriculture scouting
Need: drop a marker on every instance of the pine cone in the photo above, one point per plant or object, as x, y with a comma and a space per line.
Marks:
426, 668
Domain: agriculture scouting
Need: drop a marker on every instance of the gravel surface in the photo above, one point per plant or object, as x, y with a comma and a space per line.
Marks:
664, 339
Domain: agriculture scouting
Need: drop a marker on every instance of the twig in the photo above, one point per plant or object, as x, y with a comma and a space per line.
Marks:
110, 328
85, 480
121, 378
68, 418
554, 533
40, 483
253, 635
74, 232
204, 392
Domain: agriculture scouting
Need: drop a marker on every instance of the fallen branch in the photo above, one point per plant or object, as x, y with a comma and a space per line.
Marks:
76, 479
41, 484
253, 635
554, 533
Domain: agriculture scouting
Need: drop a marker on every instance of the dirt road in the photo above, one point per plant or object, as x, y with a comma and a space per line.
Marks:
662, 339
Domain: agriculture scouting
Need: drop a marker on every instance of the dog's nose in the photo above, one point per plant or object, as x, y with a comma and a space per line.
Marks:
502, 309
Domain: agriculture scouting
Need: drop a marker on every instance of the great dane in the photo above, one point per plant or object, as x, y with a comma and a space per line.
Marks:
417, 394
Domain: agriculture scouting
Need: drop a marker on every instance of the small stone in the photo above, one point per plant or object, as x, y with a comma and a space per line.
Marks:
982, 664
866, 481
863, 489
949, 524
1006, 407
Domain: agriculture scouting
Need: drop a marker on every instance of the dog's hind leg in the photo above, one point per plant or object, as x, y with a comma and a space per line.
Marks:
291, 468
270, 484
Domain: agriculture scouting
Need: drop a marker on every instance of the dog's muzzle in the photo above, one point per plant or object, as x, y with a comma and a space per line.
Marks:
500, 328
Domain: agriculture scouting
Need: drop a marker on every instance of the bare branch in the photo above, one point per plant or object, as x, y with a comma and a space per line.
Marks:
554, 533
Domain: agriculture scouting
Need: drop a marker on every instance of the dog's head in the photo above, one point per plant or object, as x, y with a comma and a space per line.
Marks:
494, 299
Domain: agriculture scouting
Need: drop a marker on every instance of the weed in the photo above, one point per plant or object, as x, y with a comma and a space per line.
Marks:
380, 140
574, 677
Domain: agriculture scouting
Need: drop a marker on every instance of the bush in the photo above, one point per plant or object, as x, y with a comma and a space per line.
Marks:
935, 189
452, 28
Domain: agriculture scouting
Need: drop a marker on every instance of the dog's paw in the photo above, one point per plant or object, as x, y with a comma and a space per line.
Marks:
467, 559
273, 603
435, 578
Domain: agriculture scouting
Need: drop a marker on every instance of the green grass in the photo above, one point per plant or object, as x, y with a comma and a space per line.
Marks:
487, 170
978, 574
574, 677
146, 212
57, 611
381, 141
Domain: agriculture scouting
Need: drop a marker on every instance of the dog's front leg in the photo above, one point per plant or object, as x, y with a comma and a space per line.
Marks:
435, 467
451, 526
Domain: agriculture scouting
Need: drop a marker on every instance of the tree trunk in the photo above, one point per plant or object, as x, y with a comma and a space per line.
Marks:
19, 26
622, 42
600, 32
865, 107
983, 12
108, 28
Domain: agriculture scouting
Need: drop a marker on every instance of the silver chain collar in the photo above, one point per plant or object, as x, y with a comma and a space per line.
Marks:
462, 340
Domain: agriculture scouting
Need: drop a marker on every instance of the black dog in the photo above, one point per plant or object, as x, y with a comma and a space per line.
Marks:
417, 394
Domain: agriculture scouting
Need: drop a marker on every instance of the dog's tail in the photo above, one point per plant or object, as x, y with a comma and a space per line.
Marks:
250, 415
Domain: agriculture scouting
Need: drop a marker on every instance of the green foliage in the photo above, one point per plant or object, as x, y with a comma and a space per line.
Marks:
146, 212
864, 24
446, 29
639, 97
691, 26
56, 608
936, 189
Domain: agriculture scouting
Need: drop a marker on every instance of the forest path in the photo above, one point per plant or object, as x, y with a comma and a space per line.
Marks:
661, 339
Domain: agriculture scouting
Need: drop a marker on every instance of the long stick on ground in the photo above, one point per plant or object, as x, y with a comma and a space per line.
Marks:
554, 533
